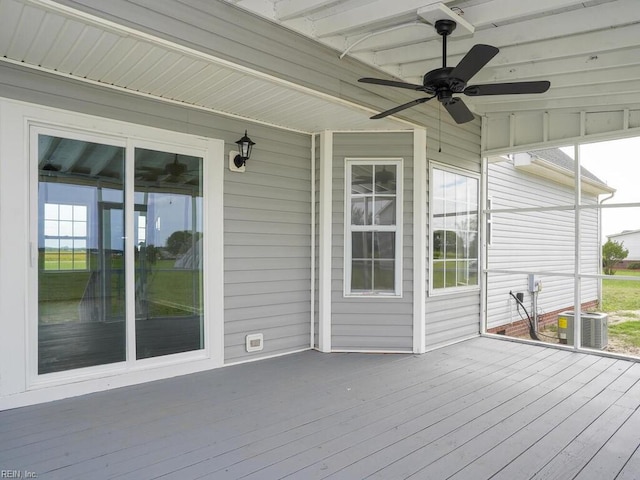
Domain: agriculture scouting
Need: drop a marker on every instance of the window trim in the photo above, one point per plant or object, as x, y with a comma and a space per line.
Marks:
398, 163
467, 173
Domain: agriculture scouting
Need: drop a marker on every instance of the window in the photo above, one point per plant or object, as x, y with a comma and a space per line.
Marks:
454, 227
65, 237
373, 235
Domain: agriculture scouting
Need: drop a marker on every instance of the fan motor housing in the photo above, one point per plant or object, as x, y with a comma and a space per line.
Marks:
445, 26
438, 80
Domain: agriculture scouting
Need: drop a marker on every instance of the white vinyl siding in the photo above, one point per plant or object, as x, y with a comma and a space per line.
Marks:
537, 242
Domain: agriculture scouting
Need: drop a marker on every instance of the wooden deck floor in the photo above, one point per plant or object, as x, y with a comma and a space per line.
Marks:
484, 408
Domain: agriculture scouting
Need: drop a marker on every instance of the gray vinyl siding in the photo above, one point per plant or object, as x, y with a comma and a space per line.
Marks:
267, 210
451, 316
371, 323
536, 241
267, 242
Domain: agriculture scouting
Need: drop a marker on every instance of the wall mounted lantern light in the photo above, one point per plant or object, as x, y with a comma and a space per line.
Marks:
244, 145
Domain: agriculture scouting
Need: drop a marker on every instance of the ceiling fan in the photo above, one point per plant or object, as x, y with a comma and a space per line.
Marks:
172, 172
442, 83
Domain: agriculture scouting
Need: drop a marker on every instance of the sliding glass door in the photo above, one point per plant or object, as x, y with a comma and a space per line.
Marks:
168, 273
120, 269
81, 290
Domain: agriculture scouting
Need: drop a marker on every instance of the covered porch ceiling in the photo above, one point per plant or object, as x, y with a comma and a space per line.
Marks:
48, 36
587, 50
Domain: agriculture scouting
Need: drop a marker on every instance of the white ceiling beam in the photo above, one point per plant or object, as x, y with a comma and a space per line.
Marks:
564, 93
261, 7
560, 55
578, 70
590, 80
612, 100
289, 9
378, 12
496, 12
594, 24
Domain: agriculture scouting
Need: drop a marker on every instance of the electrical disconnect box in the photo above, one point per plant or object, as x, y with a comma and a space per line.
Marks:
535, 284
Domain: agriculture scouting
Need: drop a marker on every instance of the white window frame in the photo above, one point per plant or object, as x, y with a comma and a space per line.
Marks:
397, 228
71, 237
467, 173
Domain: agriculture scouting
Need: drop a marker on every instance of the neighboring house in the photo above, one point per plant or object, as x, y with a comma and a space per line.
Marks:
540, 241
631, 241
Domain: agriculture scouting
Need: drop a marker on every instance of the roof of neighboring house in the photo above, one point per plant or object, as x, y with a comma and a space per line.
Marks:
561, 159
625, 232
555, 165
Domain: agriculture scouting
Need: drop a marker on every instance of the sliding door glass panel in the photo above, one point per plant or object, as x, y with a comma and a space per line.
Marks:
81, 291
168, 253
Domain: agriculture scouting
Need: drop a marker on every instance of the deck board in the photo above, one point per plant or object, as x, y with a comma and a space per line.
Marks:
484, 408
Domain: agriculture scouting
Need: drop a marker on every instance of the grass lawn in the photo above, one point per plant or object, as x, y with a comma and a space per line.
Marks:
627, 332
621, 294
623, 297
169, 292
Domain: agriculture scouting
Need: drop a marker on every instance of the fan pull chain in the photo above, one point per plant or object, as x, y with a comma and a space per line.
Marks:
439, 128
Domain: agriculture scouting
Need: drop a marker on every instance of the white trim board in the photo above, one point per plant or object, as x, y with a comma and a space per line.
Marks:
420, 199
325, 241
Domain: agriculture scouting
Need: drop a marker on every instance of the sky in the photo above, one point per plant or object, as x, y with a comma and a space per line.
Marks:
617, 163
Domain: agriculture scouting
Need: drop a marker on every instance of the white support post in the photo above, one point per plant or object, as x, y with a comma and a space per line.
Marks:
324, 242
577, 324
484, 251
419, 238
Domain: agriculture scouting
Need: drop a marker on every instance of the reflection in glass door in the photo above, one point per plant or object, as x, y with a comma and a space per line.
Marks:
81, 291
168, 273
82, 254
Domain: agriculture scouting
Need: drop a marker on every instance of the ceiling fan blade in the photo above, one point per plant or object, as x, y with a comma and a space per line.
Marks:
458, 111
507, 88
390, 83
401, 107
473, 61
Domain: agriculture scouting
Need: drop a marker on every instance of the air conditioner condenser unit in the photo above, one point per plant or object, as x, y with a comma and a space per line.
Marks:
594, 332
